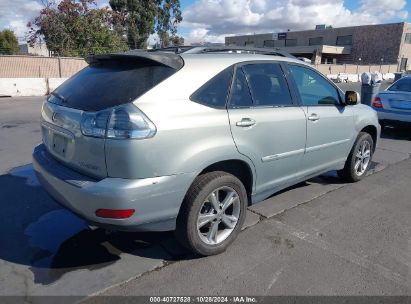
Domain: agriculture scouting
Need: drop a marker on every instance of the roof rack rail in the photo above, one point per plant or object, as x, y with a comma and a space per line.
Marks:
238, 50
173, 49
224, 49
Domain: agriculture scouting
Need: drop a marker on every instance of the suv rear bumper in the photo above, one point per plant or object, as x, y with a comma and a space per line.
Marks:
391, 115
156, 200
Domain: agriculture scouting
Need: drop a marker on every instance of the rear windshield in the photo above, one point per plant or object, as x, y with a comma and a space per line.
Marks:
109, 83
403, 85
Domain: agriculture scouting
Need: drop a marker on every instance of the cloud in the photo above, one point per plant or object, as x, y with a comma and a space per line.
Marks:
212, 20
15, 14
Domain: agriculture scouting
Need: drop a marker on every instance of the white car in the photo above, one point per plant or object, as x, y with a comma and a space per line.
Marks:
394, 104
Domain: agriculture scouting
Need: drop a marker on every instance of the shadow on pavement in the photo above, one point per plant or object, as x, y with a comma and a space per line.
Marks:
399, 132
37, 232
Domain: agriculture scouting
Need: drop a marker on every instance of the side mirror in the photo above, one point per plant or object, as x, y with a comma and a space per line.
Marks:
352, 98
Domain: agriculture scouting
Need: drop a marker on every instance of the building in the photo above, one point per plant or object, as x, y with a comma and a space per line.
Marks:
366, 44
39, 49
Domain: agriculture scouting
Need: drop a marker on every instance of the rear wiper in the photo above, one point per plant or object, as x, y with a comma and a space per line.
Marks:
59, 96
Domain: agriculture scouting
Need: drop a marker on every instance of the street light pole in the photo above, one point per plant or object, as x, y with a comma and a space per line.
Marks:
358, 62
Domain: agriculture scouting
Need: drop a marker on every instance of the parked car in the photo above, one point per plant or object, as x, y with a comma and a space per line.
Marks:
306, 60
393, 105
155, 141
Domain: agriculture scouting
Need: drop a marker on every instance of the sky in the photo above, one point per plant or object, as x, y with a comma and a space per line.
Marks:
212, 20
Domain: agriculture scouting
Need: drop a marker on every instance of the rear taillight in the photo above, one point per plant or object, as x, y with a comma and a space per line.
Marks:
122, 122
377, 103
95, 124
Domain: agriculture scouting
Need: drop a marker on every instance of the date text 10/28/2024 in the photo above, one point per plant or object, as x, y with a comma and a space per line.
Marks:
234, 299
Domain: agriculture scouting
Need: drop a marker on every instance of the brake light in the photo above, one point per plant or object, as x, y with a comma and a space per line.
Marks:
115, 214
377, 103
122, 122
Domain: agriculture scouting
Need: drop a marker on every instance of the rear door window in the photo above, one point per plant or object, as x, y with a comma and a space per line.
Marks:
267, 84
109, 83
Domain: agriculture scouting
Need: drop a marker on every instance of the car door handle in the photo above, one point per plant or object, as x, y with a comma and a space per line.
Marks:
245, 122
314, 117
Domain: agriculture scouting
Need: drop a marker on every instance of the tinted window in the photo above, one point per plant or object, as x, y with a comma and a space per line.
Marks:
313, 88
291, 42
407, 38
344, 40
403, 85
240, 94
109, 83
315, 41
269, 43
214, 92
267, 84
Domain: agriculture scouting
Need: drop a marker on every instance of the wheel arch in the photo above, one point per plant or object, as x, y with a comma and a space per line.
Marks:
372, 130
237, 167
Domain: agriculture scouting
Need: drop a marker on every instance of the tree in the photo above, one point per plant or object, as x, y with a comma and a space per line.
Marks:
77, 28
169, 16
144, 17
9, 45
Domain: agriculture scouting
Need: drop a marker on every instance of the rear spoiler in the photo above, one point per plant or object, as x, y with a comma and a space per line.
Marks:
159, 58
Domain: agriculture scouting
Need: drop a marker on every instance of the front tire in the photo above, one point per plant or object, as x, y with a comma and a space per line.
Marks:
212, 213
359, 159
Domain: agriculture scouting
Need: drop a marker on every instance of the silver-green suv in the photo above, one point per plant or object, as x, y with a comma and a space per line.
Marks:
155, 141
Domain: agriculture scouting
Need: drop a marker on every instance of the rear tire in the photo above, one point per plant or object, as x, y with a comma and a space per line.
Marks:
212, 213
359, 159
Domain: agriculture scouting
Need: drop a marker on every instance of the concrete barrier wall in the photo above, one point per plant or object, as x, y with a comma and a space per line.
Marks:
329, 69
23, 87
29, 86
43, 86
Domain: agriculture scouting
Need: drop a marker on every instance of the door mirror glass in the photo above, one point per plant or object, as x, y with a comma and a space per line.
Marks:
352, 98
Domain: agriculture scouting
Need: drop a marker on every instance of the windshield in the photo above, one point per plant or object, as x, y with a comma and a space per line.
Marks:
109, 83
403, 85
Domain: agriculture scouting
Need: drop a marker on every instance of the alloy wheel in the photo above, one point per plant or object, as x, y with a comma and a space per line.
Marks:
218, 215
362, 158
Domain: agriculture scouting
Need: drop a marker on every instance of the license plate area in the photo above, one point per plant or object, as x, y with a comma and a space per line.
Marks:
59, 145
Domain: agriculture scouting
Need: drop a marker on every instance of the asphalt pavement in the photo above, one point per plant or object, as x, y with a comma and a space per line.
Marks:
321, 237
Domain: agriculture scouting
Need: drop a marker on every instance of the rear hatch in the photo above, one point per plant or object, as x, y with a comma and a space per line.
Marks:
109, 81
395, 100
398, 96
